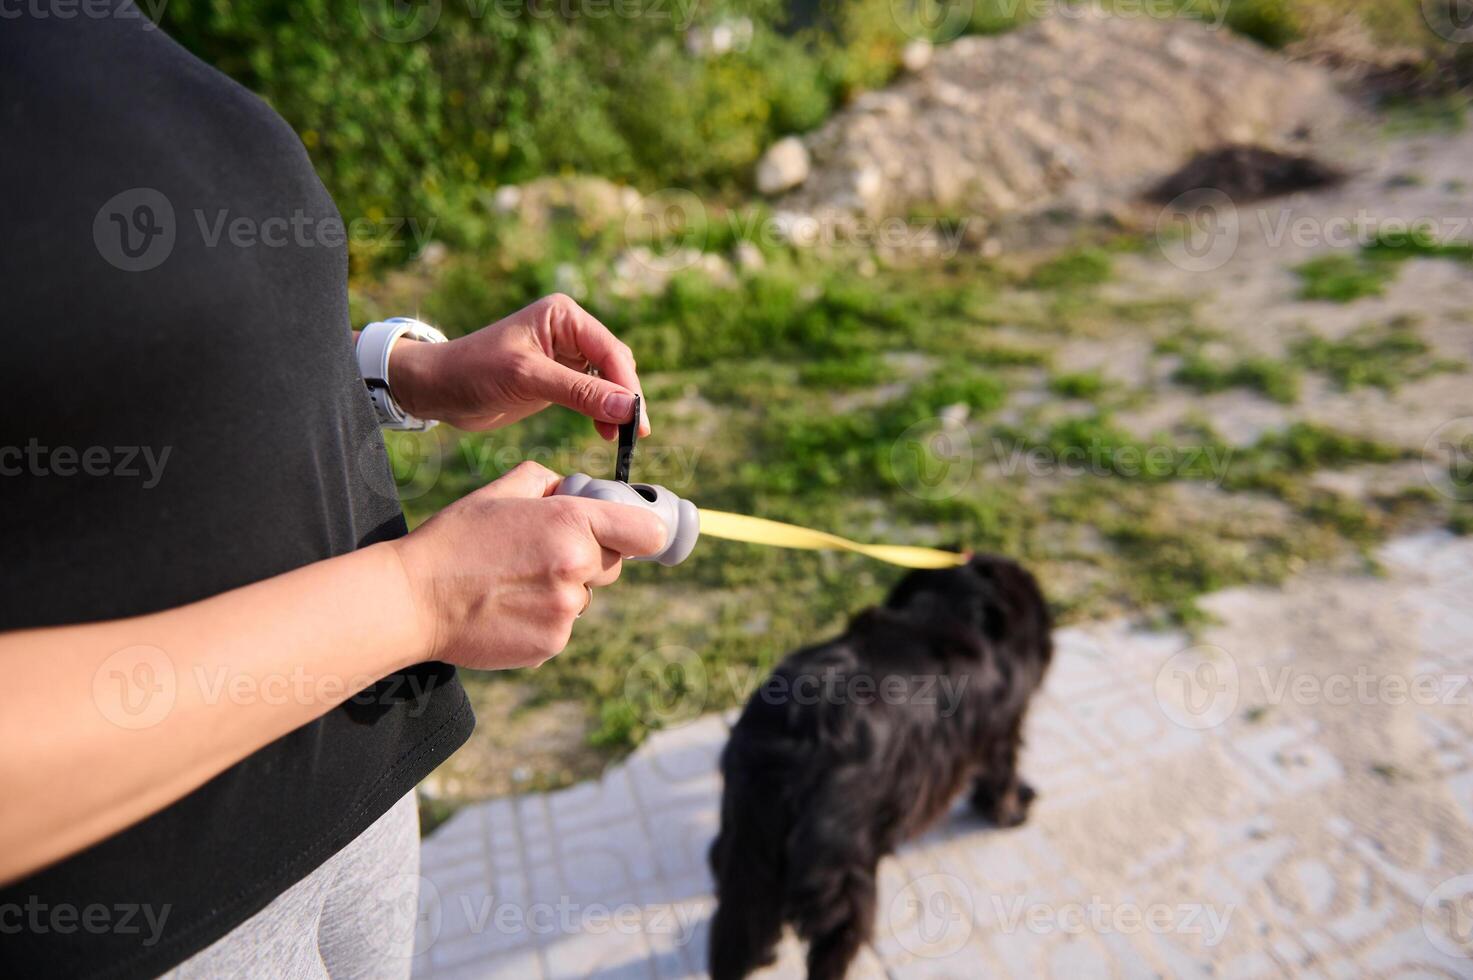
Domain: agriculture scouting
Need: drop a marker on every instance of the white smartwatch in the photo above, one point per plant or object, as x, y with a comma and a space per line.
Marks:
375, 342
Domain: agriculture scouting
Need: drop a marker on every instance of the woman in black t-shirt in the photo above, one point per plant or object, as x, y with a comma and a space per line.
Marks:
224, 656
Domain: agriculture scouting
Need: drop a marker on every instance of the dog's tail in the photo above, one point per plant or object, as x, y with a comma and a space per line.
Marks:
746, 859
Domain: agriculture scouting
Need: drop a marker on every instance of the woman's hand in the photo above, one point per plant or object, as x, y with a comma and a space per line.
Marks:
516, 367
494, 580
500, 575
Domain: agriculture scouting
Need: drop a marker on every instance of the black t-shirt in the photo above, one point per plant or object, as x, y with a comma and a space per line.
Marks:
180, 414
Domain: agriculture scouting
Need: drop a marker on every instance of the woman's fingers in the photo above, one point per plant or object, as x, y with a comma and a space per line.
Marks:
600, 399
526, 479
613, 564
576, 331
625, 529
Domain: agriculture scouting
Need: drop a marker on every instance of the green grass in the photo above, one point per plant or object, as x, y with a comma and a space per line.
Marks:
1416, 243
1087, 385
1342, 277
1273, 379
1382, 356
1416, 116
1079, 269
1277, 458
785, 395
860, 371
1460, 522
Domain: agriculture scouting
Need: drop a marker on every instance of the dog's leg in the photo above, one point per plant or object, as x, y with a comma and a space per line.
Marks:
849, 924
832, 857
998, 795
745, 860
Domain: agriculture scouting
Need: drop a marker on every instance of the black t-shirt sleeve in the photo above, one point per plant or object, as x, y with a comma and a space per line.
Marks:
183, 416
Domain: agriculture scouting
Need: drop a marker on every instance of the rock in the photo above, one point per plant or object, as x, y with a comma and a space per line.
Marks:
796, 228
784, 166
433, 254
506, 198
726, 35
640, 271
748, 258
591, 202
1085, 111
916, 55
568, 278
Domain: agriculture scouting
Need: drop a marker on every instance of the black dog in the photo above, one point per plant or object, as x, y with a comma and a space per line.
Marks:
852, 746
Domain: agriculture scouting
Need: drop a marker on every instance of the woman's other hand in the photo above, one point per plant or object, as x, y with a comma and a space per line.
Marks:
500, 575
516, 367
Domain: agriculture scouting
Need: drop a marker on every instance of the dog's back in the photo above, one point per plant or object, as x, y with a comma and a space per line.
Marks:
851, 746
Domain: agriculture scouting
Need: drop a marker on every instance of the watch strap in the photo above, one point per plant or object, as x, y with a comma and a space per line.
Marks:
375, 342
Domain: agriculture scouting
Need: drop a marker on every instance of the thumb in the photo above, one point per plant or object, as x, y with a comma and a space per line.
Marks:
600, 400
526, 479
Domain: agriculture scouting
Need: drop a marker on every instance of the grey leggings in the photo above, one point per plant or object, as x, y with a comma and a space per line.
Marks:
354, 917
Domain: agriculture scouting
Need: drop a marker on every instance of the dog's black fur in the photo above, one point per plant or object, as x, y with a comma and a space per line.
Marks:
827, 771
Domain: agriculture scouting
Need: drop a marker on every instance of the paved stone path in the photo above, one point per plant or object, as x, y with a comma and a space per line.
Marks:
1289, 793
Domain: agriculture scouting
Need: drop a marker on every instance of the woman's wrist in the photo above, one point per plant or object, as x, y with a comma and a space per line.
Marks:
417, 610
410, 372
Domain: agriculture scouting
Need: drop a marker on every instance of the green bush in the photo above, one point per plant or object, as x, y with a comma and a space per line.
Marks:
494, 93
1078, 269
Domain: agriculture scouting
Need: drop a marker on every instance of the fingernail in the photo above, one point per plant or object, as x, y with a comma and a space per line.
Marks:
619, 406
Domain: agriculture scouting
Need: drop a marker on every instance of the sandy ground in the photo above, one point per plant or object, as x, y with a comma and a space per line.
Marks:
1289, 793
1237, 262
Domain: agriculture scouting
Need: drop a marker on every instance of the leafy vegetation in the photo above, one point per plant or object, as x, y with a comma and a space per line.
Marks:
1343, 277
1081, 384
910, 404
1274, 379
1073, 270
1415, 243
1381, 356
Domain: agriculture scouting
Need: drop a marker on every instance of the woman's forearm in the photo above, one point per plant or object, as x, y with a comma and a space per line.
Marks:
105, 723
